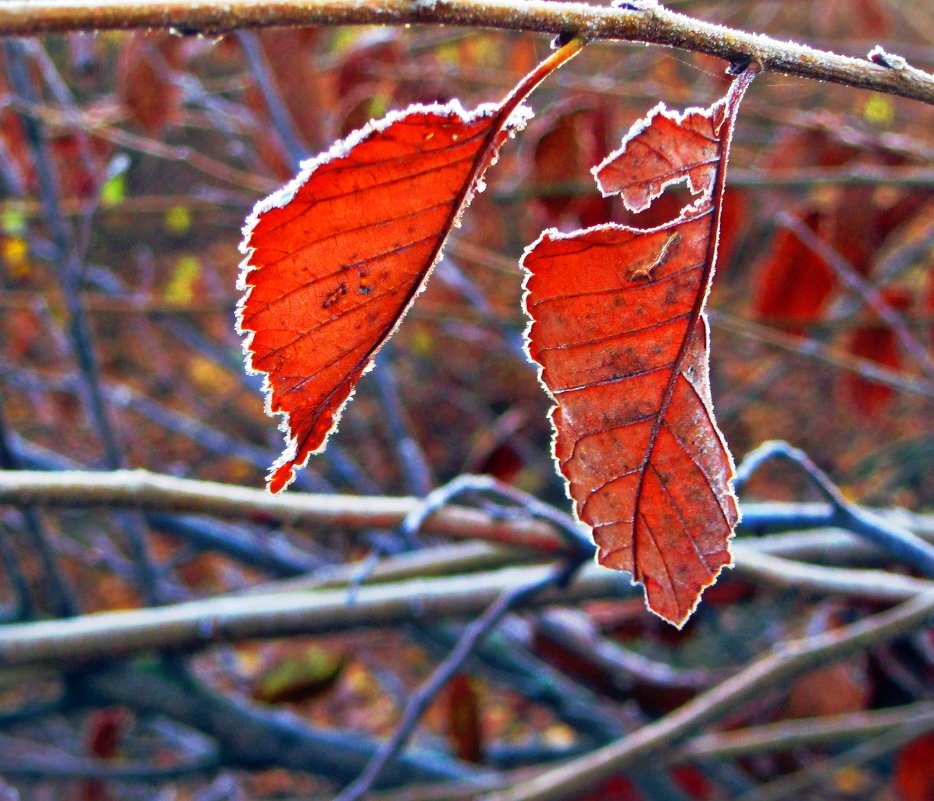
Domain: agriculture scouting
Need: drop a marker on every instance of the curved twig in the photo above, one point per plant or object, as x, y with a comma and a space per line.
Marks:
793, 658
899, 542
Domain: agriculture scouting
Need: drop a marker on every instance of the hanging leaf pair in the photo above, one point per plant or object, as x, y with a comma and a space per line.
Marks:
336, 257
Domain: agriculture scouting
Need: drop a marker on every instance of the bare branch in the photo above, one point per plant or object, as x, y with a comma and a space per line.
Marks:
791, 659
648, 23
158, 492
209, 621
142, 489
807, 731
206, 622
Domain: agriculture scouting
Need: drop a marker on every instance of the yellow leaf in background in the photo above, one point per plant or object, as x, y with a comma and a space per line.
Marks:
15, 253
345, 38
361, 682
13, 220
301, 677
177, 220
379, 105
559, 735
879, 111
423, 343
851, 780
448, 55
113, 191
211, 377
181, 287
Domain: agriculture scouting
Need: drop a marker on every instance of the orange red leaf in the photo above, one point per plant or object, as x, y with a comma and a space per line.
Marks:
336, 257
619, 331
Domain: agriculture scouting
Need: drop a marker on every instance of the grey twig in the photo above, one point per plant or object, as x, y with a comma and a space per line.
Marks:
415, 708
31, 761
68, 270
900, 542
409, 455
142, 489
281, 119
789, 660
62, 598
249, 736
821, 772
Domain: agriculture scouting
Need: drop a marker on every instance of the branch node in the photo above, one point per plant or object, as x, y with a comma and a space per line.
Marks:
878, 56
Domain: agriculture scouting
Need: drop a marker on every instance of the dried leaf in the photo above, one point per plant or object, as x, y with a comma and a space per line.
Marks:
878, 343
619, 330
914, 770
300, 677
464, 718
335, 258
794, 283
146, 84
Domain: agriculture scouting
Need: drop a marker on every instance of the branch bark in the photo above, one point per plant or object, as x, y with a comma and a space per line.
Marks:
645, 23
252, 737
209, 621
158, 492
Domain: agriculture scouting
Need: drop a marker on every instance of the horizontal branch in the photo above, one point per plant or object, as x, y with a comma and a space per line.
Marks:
642, 22
38, 761
205, 622
768, 738
198, 624
251, 736
156, 492
788, 734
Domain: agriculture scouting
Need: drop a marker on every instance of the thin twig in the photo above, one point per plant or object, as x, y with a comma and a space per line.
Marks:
142, 489
822, 772
418, 704
209, 621
825, 730
410, 457
68, 272
876, 585
33, 761
22, 606
789, 660
820, 352
869, 294
278, 111
251, 736
900, 542
62, 598
648, 23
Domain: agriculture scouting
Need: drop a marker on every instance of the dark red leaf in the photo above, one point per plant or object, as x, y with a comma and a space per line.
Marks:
335, 258
619, 330
573, 140
794, 283
914, 770
146, 84
465, 727
105, 729
876, 342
